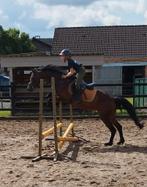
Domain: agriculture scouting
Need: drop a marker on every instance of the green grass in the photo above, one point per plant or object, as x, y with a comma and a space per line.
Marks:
130, 100
5, 113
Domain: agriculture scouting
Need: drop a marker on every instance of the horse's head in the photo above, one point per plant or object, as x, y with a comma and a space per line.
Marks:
45, 73
34, 79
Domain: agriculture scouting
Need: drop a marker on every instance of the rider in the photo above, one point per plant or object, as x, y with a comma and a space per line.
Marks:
74, 68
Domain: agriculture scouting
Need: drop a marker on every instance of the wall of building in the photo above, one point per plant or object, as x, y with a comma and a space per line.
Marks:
26, 62
109, 75
33, 61
146, 71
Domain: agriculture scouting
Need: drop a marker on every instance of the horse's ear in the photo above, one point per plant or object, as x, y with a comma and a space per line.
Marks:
35, 70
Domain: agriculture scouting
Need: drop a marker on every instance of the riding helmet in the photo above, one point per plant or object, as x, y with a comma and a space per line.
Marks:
65, 52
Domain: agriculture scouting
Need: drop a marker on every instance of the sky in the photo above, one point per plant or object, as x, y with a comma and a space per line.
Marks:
41, 17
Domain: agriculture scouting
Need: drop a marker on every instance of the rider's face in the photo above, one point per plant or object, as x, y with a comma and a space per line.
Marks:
64, 58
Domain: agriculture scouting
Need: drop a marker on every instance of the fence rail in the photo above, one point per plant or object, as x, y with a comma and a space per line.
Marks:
15, 100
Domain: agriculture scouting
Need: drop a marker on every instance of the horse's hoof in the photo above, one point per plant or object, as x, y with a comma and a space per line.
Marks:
141, 125
108, 144
121, 142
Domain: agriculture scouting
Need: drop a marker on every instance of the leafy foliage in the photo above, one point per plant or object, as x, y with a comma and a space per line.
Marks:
14, 41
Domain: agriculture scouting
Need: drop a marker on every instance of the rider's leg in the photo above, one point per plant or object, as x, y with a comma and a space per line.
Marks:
80, 76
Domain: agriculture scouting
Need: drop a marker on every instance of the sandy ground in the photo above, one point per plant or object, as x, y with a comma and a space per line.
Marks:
91, 163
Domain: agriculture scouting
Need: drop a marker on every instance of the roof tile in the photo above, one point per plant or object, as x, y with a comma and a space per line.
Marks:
107, 40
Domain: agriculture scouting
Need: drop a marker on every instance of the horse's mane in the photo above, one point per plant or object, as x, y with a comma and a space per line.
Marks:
52, 68
54, 71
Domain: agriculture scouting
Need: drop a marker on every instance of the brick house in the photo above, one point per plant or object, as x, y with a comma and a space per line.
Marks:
111, 54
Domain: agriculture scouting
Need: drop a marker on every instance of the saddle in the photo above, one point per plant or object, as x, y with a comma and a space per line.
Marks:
89, 86
87, 91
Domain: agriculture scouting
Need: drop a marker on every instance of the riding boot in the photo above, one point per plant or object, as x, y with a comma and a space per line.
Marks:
77, 95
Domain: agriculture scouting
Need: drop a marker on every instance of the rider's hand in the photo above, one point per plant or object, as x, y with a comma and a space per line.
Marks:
64, 77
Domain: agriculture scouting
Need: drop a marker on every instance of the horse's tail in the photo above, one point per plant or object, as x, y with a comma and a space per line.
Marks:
120, 101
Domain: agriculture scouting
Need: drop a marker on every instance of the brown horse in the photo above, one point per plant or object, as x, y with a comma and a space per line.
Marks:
91, 99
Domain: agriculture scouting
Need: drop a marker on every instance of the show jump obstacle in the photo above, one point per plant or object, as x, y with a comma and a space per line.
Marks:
60, 137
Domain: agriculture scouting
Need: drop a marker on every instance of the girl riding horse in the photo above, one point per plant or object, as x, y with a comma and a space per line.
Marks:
74, 69
102, 102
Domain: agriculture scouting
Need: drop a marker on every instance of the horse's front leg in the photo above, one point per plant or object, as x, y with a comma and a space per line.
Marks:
112, 129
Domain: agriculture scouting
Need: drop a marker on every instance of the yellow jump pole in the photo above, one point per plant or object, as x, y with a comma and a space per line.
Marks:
68, 139
70, 127
50, 131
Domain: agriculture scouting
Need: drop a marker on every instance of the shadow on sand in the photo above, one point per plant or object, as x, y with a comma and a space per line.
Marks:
72, 150
127, 148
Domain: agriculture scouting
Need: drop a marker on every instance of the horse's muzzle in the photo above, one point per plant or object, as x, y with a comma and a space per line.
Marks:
30, 87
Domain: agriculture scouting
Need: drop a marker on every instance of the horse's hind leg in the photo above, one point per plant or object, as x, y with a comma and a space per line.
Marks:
119, 128
112, 129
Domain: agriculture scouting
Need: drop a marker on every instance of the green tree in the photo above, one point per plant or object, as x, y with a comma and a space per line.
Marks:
14, 41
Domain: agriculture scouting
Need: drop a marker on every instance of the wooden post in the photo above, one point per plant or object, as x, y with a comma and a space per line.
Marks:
60, 115
41, 91
71, 113
13, 99
1, 100
71, 119
54, 117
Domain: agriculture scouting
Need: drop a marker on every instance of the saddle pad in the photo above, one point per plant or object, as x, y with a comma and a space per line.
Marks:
88, 95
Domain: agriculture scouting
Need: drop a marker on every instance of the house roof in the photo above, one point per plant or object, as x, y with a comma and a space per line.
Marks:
47, 41
107, 40
30, 54
42, 44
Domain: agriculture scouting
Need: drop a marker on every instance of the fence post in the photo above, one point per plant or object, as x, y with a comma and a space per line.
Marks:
1, 100
54, 117
60, 115
71, 119
41, 90
12, 95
